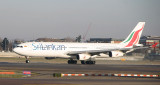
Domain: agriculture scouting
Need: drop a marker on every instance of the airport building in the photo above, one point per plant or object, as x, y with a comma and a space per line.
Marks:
101, 40
150, 40
151, 53
105, 40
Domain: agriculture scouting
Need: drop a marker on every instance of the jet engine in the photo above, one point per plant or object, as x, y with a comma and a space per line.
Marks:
116, 54
83, 56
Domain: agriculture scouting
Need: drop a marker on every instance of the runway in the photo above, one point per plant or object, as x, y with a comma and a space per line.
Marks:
77, 82
81, 68
45, 71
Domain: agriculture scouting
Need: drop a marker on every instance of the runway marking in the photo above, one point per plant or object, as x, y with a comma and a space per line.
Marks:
117, 75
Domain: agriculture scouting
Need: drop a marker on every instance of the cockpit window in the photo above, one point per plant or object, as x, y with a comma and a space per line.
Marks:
20, 46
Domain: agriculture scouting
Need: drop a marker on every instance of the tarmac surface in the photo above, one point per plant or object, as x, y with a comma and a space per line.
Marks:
44, 73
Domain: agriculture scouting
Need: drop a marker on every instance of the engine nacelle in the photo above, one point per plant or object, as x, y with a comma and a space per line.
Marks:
83, 56
116, 54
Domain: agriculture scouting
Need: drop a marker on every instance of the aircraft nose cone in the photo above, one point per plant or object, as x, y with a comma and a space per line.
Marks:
15, 50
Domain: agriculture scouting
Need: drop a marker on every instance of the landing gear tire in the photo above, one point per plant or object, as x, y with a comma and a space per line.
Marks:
94, 62
27, 61
72, 62
88, 62
83, 62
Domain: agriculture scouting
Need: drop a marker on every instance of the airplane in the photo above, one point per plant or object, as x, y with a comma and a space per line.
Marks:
85, 52
153, 46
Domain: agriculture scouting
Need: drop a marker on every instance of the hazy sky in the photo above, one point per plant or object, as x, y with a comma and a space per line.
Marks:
31, 19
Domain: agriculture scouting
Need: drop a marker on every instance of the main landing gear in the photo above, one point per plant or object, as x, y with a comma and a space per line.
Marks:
71, 61
27, 61
88, 62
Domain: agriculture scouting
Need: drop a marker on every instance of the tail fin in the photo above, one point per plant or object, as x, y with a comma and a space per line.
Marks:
134, 36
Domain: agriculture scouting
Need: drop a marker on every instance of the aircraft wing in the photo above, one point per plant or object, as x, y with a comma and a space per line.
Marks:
96, 52
92, 52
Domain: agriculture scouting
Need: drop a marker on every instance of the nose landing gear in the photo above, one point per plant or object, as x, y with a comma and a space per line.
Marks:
27, 61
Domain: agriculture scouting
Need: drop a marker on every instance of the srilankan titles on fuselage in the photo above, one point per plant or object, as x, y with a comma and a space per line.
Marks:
41, 46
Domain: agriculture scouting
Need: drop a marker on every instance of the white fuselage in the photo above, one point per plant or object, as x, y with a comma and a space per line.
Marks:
60, 49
